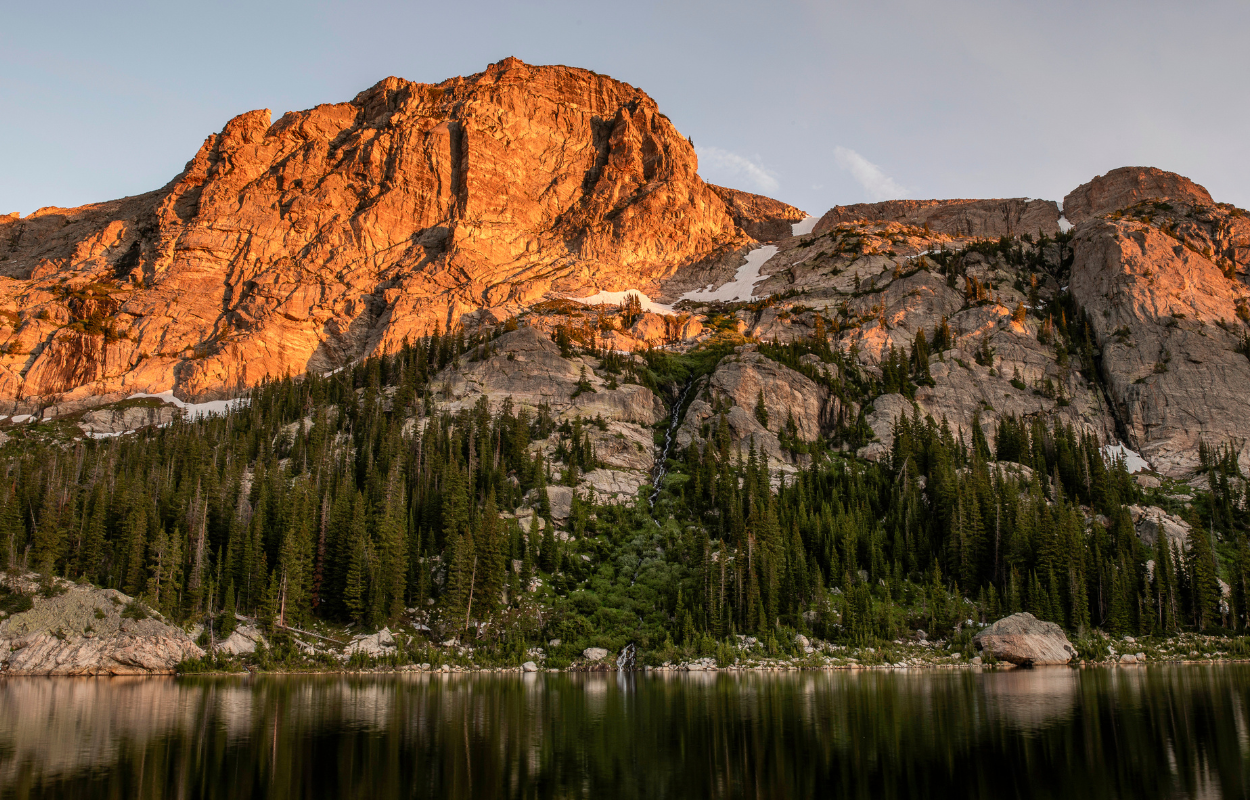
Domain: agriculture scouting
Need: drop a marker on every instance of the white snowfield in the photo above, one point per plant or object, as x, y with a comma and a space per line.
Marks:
197, 411
1132, 461
804, 226
616, 298
1064, 225
742, 287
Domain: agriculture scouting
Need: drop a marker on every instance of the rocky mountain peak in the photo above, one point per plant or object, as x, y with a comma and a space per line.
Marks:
1126, 186
338, 231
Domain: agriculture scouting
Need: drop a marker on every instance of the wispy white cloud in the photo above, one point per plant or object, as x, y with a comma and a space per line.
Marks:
868, 175
722, 166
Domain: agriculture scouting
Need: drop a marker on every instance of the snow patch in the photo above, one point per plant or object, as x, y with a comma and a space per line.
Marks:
23, 418
1064, 225
1132, 461
197, 411
742, 287
804, 227
616, 298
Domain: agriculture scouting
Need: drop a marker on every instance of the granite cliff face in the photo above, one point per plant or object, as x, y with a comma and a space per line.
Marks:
1164, 284
337, 232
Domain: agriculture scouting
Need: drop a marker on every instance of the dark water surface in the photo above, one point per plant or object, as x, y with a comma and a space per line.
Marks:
1169, 731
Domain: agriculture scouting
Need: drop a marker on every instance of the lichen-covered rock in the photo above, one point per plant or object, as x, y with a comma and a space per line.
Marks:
81, 631
1024, 640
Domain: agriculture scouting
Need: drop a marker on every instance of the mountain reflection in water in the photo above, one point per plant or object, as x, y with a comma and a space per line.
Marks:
1143, 732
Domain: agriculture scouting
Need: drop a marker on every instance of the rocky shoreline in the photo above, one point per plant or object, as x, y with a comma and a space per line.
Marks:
59, 628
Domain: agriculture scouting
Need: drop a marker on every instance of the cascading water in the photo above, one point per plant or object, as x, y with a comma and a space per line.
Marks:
625, 661
661, 464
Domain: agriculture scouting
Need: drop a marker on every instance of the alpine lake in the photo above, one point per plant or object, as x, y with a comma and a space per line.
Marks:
1139, 732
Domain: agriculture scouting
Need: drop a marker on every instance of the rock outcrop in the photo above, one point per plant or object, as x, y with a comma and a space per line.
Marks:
526, 367
760, 217
1026, 641
1165, 291
981, 218
1126, 186
88, 631
735, 389
112, 421
336, 232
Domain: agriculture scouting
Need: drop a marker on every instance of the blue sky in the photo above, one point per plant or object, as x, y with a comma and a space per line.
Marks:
815, 103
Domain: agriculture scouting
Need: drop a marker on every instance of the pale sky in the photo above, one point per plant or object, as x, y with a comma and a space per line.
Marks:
814, 103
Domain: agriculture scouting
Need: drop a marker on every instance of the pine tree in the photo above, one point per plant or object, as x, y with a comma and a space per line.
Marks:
1203, 583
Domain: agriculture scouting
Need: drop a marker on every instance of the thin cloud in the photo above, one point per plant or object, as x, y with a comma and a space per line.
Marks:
724, 166
868, 175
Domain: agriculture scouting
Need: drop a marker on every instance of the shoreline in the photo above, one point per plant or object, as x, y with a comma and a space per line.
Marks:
446, 669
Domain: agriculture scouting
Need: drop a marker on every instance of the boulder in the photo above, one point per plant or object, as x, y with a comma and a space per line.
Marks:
529, 666
374, 645
1024, 640
595, 654
241, 641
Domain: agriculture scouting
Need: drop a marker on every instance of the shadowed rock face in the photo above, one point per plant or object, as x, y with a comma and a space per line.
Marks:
1128, 185
335, 232
981, 218
760, 217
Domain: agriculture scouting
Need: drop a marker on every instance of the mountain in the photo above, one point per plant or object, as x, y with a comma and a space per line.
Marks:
907, 416
333, 233
339, 232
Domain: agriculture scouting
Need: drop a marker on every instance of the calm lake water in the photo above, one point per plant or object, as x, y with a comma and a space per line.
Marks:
1169, 731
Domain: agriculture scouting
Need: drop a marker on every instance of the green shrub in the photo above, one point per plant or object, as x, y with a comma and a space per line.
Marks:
134, 610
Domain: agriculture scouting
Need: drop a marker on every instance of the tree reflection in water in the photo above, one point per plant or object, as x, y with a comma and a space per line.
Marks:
1142, 732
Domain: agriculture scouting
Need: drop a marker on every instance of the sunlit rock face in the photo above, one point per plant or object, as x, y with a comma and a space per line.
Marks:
1162, 275
336, 232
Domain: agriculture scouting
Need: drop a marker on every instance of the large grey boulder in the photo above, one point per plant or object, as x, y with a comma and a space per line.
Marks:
1025, 640
377, 644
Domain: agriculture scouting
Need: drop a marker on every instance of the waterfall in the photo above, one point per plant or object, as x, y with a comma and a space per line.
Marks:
625, 661
661, 464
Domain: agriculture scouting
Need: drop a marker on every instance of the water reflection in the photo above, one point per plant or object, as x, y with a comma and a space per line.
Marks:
1157, 732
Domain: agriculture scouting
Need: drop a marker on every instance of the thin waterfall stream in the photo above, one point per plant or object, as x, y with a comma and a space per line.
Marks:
661, 463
